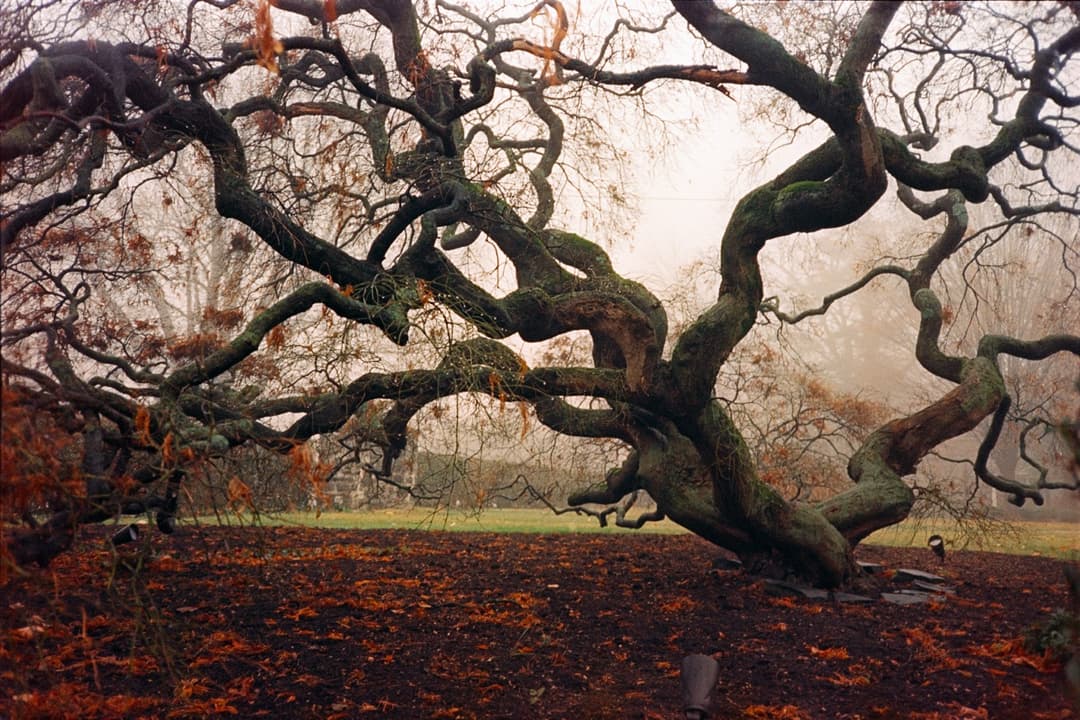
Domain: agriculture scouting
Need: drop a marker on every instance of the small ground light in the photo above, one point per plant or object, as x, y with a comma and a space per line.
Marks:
937, 544
699, 676
128, 534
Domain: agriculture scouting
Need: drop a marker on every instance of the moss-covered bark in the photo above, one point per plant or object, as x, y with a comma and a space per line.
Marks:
682, 446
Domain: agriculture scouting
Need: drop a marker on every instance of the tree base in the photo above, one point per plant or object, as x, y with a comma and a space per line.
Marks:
39, 544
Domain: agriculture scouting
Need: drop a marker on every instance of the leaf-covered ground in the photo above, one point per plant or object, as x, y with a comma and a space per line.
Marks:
306, 623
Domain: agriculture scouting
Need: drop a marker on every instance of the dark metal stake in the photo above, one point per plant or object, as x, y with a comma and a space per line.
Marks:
937, 544
699, 676
128, 534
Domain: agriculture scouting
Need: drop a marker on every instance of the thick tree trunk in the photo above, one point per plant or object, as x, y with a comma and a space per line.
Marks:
723, 500
39, 544
709, 484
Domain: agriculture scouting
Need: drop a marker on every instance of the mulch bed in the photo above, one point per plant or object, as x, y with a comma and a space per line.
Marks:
304, 623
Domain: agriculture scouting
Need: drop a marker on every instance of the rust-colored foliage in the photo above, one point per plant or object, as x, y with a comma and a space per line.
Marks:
774, 712
267, 47
258, 367
792, 455
142, 426
928, 647
560, 25
239, 495
224, 319
276, 337
418, 69
838, 653
268, 122
37, 466
260, 622
196, 346
308, 474
523, 408
849, 679
424, 291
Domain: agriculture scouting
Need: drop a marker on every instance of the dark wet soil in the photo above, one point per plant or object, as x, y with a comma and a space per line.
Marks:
303, 623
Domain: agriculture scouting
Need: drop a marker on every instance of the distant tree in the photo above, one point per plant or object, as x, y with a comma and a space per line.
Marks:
407, 164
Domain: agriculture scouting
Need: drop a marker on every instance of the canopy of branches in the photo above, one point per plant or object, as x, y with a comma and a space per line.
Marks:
232, 223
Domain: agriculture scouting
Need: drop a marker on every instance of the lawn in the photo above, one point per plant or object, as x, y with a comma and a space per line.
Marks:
1050, 539
492, 520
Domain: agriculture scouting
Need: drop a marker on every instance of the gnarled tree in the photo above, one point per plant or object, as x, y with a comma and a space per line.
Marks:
379, 149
